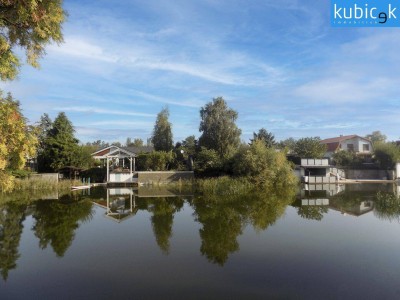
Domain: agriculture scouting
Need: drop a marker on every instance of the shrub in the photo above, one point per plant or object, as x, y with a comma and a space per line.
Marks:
265, 166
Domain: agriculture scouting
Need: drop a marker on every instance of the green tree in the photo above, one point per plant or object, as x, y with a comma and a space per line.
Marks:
208, 161
310, 147
134, 143
61, 146
162, 132
189, 145
288, 144
29, 25
219, 131
376, 137
387, 154
18, 140
267, 137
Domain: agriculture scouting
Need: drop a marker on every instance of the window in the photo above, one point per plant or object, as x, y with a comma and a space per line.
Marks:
365, 147
350, 147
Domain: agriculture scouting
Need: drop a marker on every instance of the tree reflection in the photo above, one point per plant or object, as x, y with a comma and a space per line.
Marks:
163, 210
56, 222
312, 212
12, 216
224, 218
387, 206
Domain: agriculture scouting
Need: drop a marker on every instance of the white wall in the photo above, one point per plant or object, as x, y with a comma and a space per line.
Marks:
120, 177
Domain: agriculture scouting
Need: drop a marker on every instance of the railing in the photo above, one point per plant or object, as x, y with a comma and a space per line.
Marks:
314, 162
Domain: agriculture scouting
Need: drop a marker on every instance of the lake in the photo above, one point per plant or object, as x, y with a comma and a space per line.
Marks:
321, 242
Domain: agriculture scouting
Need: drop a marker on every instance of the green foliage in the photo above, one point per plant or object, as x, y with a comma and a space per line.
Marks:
208, 161
376, 137
189, 145
61, 147
387, 154
155, 161
265, 166
29, 25
267, 137
17, 140
95, 174
135, 143
162, 132
288, 145
310, 147
219, 131
347, 159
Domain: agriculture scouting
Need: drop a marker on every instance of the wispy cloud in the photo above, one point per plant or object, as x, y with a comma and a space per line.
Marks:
93, 110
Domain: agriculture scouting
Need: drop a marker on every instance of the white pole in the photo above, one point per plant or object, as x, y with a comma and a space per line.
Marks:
108, 172
130, 168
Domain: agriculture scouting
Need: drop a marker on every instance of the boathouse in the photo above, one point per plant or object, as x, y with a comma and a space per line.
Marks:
120, 162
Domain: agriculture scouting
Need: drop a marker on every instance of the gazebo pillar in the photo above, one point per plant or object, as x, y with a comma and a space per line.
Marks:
130, 168
108, 171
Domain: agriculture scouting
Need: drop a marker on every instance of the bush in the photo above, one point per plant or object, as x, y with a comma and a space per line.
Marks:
265, 166
208, 162
387, 154
155, 161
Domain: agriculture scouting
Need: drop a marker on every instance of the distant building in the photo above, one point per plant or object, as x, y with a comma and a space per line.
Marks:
351, 143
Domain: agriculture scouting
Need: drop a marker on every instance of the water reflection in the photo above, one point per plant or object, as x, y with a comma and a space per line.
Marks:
56, 221
221, 219
11, 220
314, 201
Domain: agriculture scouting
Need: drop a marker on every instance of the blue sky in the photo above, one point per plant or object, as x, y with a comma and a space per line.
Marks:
279, 64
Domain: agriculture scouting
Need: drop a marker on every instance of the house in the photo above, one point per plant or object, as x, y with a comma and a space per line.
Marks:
351, 143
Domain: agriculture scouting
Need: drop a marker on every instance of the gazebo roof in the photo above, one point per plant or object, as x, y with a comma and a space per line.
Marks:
115, 152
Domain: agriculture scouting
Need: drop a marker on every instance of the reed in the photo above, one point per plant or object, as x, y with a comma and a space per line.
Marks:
40, 184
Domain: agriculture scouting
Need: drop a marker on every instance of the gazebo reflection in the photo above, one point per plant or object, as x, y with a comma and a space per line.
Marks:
121, 204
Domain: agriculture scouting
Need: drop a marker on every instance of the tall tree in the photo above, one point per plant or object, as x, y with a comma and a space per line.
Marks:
61, 146
29, 25
310, 147
267, 137
17, 140
162, 132
219, 131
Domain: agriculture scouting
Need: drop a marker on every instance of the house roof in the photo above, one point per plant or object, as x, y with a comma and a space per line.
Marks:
120, 151
338, 139
333, 143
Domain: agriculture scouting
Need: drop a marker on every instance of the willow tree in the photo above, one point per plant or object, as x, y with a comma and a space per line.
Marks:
17, 140
29, 25
162, 132
219, 131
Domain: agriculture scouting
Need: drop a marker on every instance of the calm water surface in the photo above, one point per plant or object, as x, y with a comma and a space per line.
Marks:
323, 242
